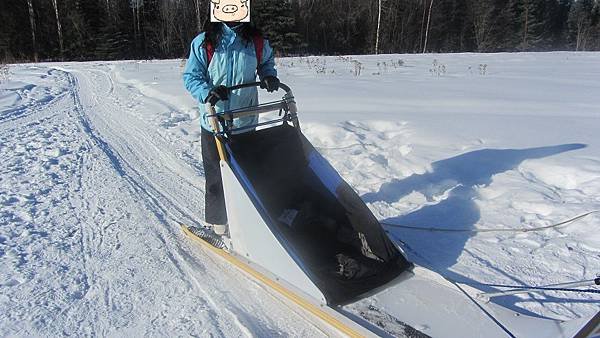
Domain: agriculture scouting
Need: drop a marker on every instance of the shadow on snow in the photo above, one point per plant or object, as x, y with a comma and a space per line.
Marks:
457, 179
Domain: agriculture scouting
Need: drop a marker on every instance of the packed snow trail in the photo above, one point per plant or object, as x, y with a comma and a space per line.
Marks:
90, 240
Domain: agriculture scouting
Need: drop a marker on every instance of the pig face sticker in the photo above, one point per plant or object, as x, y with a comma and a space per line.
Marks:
230, 10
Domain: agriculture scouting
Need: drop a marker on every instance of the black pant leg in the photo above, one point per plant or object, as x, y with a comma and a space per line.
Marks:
214, 199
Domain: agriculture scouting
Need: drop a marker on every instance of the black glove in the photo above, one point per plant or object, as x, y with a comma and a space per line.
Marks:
220, 93
270, 83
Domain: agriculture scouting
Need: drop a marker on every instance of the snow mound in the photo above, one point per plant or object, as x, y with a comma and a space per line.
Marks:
562, 177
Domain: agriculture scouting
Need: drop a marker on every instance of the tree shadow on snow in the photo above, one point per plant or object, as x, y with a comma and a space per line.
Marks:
453, 181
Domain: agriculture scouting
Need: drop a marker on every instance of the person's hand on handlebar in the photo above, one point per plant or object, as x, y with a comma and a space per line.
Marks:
219, 93
270, 83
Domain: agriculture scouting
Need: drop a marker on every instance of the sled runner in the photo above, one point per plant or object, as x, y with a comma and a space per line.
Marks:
300, 230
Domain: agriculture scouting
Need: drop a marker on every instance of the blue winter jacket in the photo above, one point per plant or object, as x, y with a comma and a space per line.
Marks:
234, 62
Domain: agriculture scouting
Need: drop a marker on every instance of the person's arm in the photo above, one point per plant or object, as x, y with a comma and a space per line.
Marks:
267, 66
195, 75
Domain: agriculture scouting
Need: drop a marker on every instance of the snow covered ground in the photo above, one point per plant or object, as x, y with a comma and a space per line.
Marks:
101, 159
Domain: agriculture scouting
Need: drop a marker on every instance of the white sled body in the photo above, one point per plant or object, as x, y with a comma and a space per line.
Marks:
251, 237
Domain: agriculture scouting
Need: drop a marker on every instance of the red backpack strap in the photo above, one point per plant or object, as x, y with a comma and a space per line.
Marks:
210, 51
259, 43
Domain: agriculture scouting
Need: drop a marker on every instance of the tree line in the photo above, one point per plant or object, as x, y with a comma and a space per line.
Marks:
36, 30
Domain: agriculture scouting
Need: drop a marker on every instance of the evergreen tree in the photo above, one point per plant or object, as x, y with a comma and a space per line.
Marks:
532, 24
558, 25
580, 23
595, 30
400, 26
79, 42
496, 24
275, 18
13, 46
451, 30
114, 35
113, 44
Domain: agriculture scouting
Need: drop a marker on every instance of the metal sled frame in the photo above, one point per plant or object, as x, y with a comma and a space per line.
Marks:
224, 121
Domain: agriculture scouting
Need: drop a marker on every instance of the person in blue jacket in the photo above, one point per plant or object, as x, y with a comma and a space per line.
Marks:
233, 61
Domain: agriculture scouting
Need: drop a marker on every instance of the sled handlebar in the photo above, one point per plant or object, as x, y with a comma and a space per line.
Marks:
285, 106
283, 86
257, 84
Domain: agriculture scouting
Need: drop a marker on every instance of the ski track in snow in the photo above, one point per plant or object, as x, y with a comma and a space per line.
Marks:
101, 160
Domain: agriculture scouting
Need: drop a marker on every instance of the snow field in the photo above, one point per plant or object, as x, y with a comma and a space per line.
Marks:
101, 160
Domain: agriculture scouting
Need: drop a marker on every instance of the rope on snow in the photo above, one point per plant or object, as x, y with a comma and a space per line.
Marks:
434, 229
565, 287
